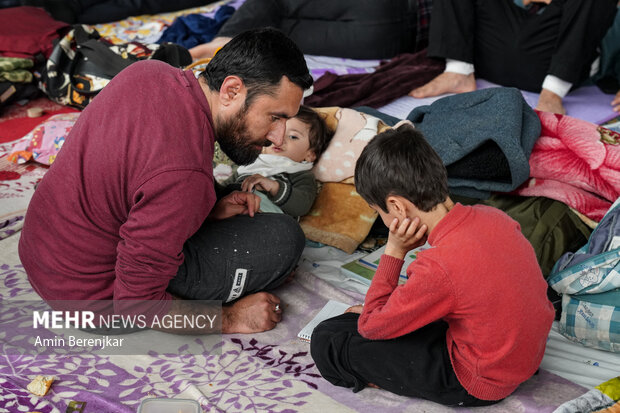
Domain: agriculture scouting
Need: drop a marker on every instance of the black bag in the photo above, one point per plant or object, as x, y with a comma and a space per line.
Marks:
12, 92
82, 63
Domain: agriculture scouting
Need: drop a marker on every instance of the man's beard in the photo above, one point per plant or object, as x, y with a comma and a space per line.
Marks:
235, 140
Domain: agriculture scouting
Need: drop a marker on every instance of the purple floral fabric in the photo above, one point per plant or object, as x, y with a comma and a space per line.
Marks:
267, 372
17, 183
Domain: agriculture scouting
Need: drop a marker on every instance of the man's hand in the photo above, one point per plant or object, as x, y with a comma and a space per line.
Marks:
252, 314
235, 203
357, 309
405, 236
616, 102
257, 181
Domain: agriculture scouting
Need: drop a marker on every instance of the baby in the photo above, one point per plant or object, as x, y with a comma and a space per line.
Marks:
282, 175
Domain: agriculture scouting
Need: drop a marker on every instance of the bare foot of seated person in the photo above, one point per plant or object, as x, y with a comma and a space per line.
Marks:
253, 313
206, 50
550, 102
447, 82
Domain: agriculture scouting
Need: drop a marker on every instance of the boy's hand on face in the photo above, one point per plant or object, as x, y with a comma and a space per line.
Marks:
261, 183
405, 236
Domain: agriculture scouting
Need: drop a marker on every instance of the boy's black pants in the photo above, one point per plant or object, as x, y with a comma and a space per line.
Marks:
414, 365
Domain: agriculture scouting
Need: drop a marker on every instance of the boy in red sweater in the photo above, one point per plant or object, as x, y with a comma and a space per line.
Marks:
471, 322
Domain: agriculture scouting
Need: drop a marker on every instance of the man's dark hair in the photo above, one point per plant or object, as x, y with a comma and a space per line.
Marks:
260, 58
401, 162
319, 134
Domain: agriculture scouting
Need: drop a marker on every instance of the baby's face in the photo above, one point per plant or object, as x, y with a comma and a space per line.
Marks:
296, 143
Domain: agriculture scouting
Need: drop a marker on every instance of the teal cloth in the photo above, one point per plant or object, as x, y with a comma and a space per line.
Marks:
266, 205
484, 138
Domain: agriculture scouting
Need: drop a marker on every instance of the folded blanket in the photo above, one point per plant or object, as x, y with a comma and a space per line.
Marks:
339, 217
576, 162
484, 138
14, 69
391, 80
194, 29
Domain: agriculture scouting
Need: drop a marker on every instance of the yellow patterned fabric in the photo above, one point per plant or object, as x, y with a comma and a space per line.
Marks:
339, 217
147, 28
14, 69
611, 388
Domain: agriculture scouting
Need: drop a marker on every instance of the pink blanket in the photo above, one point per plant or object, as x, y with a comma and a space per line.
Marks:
575, 162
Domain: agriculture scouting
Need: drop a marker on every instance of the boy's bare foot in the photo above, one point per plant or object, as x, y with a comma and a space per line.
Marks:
447, 82
205, 50
550, 102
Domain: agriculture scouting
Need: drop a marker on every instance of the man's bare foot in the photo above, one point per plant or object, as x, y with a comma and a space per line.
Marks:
205, 50
374, 386
253, 313
447, 82
550, 102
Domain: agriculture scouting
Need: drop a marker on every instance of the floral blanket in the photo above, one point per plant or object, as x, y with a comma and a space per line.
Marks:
270, 371
575, 162
17, 183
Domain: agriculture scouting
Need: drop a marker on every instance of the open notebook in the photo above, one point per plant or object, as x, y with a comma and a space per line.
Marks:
329, 310
363, 269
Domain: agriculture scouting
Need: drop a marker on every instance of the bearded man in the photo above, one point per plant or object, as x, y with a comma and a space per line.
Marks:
128, 210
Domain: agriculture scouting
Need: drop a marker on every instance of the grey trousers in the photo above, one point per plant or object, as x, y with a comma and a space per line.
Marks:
228, 259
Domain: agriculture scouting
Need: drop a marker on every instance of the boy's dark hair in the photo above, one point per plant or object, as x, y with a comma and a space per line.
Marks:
320, 134
260, 58
401, 162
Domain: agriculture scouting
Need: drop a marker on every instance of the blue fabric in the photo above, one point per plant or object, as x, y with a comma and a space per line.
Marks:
387, 119
595, 267
589, 281
194, 29
592, 320
484, 138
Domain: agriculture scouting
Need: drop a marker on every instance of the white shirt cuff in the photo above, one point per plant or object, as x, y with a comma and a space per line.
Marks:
556, 85
457, 66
